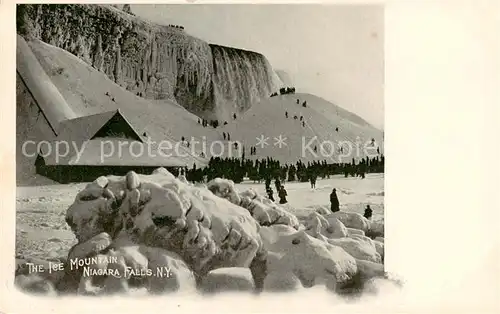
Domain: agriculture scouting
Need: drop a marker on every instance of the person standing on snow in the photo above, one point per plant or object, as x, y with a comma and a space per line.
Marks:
282, 194
313, 181
269, 191
334, 206
268, 183
277, 184
368, 212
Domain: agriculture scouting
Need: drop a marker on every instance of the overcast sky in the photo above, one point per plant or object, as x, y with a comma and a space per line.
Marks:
332, 51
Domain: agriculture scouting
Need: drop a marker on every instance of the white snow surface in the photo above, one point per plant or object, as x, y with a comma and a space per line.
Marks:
339, 259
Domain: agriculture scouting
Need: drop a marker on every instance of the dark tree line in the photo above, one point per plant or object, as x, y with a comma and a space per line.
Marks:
265, 169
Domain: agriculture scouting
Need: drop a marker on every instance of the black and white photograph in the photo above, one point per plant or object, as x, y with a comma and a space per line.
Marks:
200, 148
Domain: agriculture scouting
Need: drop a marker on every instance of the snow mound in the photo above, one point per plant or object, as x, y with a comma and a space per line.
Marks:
225, 189
379, 246
368, 270
35, 284
227, 279
271, 234
282, 281
351, 220
376, 229
352, 231
262, 209
311, 259
41, 282
328, 227
160, 211
207, 239
173, 274
323, 210
358, 249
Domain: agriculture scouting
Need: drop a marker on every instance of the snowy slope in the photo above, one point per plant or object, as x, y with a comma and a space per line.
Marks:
85, 88
321, 118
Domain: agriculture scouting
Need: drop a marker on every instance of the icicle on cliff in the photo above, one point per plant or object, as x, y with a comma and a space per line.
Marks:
153, 61
240, 77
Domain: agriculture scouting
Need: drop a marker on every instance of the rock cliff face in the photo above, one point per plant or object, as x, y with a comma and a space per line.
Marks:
150, 60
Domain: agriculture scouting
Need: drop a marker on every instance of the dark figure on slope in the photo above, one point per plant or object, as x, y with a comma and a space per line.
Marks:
268, 183
277, 184
282, 194
334, 206
368, 212
270, 192
312, 179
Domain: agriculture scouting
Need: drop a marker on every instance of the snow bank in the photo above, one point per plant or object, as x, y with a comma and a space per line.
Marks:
351, 220
379, 246
210, 238
376, 229
309, 259
358, 249
329, 227
262, 209
227, 279
270, 235
352, 231
282, 281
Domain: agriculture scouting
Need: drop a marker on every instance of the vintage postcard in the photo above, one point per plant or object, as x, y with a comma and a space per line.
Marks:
161, 148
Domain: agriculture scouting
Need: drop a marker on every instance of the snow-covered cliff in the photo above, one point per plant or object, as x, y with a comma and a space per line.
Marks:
153, 61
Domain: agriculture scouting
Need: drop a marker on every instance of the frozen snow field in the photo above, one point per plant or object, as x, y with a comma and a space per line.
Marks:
41, 229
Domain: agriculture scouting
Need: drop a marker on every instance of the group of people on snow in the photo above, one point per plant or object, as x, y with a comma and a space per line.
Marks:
295, 117
282, 193
335, 205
